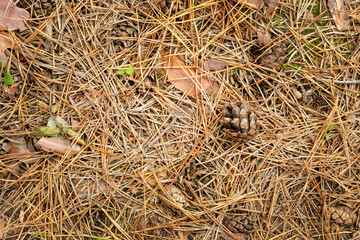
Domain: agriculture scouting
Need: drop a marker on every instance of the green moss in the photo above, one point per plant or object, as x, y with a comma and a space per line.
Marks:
316, 9
293, 66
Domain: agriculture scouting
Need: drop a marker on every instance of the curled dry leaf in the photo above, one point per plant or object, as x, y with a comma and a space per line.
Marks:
184, 78
215, 65
5, 43
339, 12
58, 146
11, 17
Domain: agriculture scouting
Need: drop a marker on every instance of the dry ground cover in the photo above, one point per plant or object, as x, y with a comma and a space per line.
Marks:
155, 161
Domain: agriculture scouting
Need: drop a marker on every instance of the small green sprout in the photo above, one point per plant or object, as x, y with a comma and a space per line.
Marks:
358, 94
128, 71
331, 127
7, 79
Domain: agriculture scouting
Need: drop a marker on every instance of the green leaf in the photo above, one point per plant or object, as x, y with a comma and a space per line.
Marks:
48, 131
8, 79
327, 136
331, 127
358, 94
120, 72
72, 134
98, 204
54, 108
130, 70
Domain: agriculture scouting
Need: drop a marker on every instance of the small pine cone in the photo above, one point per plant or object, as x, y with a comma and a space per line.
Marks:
240, 121
177, 196
165, 5
342, 215
239, 224
124, 34
44, 7
274, 57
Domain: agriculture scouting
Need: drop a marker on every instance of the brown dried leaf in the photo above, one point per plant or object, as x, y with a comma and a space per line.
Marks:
48, 30
24, 149
272, 5
183, 78
339, 12
11, 17
86, 188
5, 43
2, 227
215, 65
253, 3
264, 37
58, 146
18, 146
239, 236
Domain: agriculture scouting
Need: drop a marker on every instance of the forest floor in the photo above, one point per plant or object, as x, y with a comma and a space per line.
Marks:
150, 159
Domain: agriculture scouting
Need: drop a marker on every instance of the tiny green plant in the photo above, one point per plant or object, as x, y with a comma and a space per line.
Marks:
358, 94
129, 71
7, 79
331, 127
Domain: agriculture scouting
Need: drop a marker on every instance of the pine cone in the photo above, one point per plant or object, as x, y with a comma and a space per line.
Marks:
342, 215
44, 7
274, 57
125, 34
239, 224
240, 121
177, 196
166, 5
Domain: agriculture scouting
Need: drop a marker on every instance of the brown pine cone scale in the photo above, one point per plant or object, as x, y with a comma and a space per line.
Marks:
274, 57
342, 215
240, 121
239, 224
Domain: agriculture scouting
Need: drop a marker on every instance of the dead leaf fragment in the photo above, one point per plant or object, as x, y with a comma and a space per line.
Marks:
339, 12
48, 30
20, 147
264, 37
2, 227
5, 43
239, 236
271, 7
215, 65
58, 146
11, 17
184, 78
253, 3
86, 188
